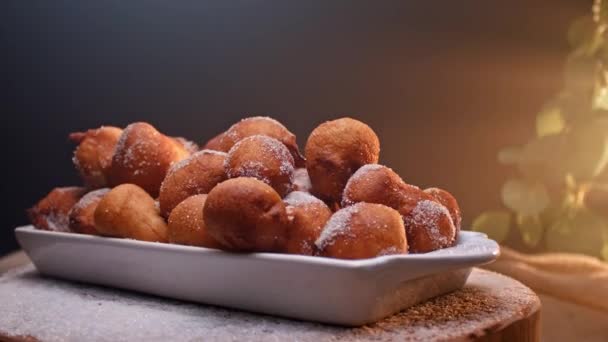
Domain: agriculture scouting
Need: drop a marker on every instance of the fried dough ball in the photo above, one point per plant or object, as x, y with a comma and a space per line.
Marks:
301, 181
259, 125
82, 214
264, 158
128, 211
375, 183
363, 230
429, 227
143, 156
448, 201
187, 225
189, 145
334, 151
195, 175
307, 216
93, 155
246, 215
51, 212
215, 143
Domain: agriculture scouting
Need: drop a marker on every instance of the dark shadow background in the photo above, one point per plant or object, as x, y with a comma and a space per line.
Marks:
445, 84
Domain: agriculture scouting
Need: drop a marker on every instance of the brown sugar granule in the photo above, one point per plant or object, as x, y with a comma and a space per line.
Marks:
472, 310
439, 316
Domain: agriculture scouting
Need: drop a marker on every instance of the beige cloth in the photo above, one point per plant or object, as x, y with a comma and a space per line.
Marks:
572, 277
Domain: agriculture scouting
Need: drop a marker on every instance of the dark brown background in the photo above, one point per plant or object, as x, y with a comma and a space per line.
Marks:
443, 83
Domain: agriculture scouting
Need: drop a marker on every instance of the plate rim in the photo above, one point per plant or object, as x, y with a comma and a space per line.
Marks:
481, 257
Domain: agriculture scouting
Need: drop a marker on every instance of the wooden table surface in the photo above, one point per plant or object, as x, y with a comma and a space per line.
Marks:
490, 307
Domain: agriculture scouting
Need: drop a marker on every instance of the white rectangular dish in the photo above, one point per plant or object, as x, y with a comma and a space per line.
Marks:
345, 292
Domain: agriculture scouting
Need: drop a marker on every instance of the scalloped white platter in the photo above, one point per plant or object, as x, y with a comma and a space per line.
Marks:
344, 292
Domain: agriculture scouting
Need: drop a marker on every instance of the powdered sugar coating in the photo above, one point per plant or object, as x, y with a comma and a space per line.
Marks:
57, 222
250, 168
189, 145
271, 148
428, 215
185, 162
301, 180
301, 198
338, 224
450, 202
390, 250
140, 154
33, 302
377, 183
90, 198
51, 212
143, 157
218, 153
93, 155
364, 172
233, 134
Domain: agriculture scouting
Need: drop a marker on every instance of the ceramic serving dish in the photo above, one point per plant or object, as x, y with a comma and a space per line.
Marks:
345, 292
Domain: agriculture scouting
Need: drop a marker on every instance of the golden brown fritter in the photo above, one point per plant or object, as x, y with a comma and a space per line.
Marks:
128, 211
143, 156
51, 212
263, 158
82, 214
450, 202
187, 225
260, 125
307, 215
428, 224
334, 151
93, 155
363, 230
246, 215
197, 174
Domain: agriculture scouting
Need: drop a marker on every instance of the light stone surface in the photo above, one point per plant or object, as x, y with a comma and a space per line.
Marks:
47, 309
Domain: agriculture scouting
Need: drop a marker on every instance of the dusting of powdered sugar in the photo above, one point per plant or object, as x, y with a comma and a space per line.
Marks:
263, 118
90, 198
364, 173
338, 224
363, 170
256, 168
300, 198
187, 161
301, 180
428, 214
188, 145
214, 152
90, 140
180, 164
250, 168
390, 250
233, 132
142, 151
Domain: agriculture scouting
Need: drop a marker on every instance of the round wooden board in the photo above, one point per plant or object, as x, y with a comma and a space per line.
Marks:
491, 307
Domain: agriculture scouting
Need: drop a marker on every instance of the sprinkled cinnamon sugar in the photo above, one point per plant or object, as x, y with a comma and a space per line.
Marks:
471, 311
